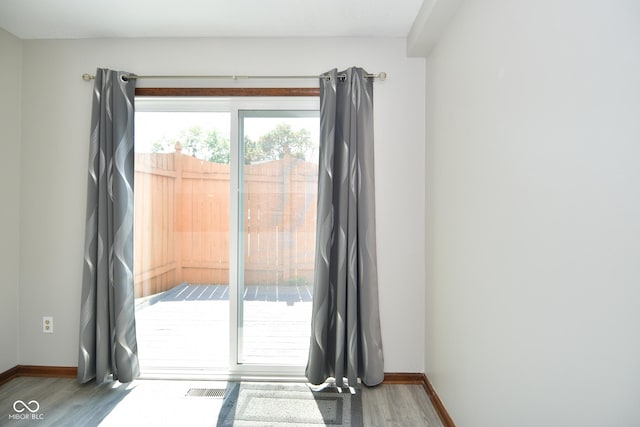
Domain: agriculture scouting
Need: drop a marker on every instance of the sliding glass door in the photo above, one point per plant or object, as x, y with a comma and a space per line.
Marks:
277, 217
182, 226
225, 234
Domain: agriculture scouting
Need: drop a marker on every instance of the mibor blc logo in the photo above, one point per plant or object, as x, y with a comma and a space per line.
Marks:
26, 411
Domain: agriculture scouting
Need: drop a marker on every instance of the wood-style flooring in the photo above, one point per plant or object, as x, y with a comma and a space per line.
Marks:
27, 401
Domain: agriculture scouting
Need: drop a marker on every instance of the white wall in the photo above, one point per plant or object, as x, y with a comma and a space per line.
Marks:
10, 106
533, 214
56, 128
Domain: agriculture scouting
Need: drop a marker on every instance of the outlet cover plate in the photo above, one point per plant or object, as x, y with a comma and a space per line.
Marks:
47, 324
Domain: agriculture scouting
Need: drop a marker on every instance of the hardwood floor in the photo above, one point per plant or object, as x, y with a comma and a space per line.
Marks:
64, 402
398, 405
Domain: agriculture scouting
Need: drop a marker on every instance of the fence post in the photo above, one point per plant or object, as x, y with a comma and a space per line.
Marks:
178, 226
287, 232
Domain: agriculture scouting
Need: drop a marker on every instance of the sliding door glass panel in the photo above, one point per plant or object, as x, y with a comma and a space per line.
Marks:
277, 222
182, 229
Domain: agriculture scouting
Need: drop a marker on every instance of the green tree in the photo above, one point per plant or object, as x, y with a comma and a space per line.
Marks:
213, 147
284, 140
199, 143
252, 151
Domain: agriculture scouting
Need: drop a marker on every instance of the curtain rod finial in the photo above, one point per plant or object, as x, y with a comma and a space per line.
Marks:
87, 77
382, 76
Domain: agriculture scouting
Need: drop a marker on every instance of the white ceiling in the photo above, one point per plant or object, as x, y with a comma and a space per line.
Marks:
34, 19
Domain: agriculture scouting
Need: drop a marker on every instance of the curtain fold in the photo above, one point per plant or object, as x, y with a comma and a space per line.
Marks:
108, 348
345, 326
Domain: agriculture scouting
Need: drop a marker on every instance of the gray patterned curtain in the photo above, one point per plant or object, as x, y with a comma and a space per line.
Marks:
345, 325
108, 347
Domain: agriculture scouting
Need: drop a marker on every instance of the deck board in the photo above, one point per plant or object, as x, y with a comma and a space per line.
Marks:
187, 327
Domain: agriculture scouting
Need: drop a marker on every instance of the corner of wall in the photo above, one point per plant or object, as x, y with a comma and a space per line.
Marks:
432, 19
10, 135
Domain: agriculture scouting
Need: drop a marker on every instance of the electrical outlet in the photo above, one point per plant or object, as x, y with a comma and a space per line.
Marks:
47, 324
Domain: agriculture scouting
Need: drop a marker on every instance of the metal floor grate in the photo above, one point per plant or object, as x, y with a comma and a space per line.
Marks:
206, 392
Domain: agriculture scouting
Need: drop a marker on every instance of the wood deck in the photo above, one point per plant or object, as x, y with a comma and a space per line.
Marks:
187, 327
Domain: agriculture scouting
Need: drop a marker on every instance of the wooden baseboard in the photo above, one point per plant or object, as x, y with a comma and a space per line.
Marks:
402, 378
38, 371
437, 403
48, 371
8, 375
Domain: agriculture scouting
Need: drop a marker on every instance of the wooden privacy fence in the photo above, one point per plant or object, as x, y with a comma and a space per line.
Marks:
182, 222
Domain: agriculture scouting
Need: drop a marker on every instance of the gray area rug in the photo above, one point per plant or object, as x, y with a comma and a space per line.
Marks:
283, 404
